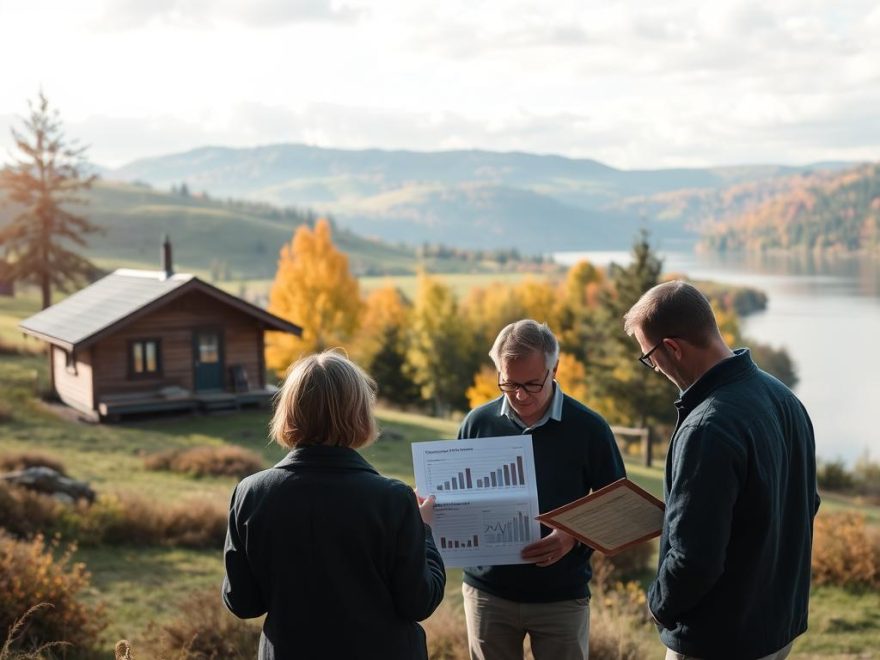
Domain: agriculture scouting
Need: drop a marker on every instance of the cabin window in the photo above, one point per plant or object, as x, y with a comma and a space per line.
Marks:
145, 358
70, 362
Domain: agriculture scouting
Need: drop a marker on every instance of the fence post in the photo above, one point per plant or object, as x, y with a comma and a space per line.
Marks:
647, 446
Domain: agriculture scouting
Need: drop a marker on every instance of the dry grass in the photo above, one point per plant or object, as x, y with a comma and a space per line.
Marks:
226, 461
36, 572
203, 631
447, 634
12, 461
846, 552
114, 519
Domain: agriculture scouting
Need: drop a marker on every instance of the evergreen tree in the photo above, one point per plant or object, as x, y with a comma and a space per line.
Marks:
43, 181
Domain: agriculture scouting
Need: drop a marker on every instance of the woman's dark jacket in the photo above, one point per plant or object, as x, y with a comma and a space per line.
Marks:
336, 554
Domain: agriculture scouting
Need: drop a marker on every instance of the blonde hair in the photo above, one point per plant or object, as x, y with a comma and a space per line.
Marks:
326, 399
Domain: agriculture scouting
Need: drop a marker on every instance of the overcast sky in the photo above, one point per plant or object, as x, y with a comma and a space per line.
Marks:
635, 86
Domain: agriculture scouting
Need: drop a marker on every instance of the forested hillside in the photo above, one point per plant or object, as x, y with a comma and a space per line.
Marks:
836, 212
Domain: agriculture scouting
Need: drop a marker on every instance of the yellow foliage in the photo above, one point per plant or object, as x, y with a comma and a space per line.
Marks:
572, 377
846, 552
540, 301
384, 310
489, 309
314, 289
485, 387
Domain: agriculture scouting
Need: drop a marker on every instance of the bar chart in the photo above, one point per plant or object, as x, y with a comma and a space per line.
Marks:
514, 529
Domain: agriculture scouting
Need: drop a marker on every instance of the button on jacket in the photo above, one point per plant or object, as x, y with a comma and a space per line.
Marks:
336, 554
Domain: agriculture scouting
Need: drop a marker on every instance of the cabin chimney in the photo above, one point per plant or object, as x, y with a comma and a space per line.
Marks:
167, 264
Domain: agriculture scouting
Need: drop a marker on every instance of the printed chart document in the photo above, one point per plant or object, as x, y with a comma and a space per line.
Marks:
487, 498
611, 519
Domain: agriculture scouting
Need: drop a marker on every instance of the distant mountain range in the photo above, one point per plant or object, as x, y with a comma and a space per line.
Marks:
470, 199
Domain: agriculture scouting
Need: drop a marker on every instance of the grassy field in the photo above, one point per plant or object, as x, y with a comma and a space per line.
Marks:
143, 584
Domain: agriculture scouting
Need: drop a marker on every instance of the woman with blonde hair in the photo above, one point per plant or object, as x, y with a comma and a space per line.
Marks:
338, 557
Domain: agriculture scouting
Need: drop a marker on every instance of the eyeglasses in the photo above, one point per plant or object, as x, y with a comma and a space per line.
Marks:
531, 388
646, 358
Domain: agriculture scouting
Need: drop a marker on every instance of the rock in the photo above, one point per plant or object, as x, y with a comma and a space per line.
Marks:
48, 481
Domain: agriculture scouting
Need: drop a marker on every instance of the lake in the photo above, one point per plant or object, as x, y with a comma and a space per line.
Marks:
826, 312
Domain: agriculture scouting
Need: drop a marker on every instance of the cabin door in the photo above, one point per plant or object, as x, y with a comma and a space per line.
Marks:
207, 360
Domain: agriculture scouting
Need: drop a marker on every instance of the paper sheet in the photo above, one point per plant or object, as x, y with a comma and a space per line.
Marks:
487, 497
610, 519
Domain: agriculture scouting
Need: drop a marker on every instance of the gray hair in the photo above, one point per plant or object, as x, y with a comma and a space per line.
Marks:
523, 338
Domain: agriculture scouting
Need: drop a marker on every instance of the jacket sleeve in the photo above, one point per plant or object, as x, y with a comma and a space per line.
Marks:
707, 475
418, 576
241, 592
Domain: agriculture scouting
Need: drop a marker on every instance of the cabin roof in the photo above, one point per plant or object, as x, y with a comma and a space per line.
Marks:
122, 296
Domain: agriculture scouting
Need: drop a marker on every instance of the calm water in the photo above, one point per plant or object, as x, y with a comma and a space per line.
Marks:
826, 313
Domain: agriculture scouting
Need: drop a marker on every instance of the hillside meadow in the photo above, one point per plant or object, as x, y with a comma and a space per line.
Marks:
142, 587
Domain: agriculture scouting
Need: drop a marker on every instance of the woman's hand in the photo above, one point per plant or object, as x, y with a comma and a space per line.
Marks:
426, 507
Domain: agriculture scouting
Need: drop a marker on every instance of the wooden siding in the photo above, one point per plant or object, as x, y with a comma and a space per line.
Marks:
173, 326
74, 389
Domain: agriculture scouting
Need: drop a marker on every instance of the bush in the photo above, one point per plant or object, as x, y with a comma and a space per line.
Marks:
846, 552
203, 631
22, 460
223, 461
134, 520
24, 513
834, 476
29, 573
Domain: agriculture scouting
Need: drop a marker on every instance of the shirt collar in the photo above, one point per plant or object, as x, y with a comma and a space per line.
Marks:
554, 411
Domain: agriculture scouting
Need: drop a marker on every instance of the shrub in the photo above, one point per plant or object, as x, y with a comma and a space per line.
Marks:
114, 519
633, 561
134, 520
845, 552
834, 476
30, 573
10, 462
228, 461
5, 412
203, 631
24, 513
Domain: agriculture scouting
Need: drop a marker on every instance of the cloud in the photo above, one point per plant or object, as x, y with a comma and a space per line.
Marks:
133, 14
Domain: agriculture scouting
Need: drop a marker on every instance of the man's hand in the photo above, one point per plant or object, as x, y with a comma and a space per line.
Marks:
549, 549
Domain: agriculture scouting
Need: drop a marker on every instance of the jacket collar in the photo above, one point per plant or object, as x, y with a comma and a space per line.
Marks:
324, 457
732, 369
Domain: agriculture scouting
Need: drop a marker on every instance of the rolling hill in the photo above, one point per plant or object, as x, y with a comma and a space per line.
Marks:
471, 199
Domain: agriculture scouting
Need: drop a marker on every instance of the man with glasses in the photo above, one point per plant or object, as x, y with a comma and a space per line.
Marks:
575, 452
734, 573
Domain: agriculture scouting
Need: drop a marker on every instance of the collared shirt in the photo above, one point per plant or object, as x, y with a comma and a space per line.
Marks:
554, 410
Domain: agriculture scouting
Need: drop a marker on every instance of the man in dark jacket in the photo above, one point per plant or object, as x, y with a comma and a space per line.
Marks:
740, 485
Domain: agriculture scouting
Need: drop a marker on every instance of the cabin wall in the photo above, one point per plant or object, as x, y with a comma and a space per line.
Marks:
173, 325
74, 384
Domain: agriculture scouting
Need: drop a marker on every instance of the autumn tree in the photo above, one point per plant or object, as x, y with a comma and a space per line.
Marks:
313, 288
440, 356
42, 183
380, 344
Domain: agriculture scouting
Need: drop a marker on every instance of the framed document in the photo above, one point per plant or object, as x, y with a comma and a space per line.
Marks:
611, 519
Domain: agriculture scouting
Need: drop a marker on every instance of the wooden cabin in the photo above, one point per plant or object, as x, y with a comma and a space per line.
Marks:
148, 341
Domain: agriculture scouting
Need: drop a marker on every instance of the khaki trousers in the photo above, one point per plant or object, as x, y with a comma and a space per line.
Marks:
497, 627
781, 654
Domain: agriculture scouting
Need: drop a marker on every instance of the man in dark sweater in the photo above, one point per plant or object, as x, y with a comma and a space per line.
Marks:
740, 486
575, 452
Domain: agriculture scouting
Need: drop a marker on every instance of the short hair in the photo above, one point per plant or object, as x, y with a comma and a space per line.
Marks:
326, 399
522, 338
673, 309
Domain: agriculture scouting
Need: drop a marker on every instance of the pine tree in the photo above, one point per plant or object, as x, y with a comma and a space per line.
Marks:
42, 183
313, 288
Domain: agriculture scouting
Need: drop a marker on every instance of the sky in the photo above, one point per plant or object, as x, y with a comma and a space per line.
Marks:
685, 84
